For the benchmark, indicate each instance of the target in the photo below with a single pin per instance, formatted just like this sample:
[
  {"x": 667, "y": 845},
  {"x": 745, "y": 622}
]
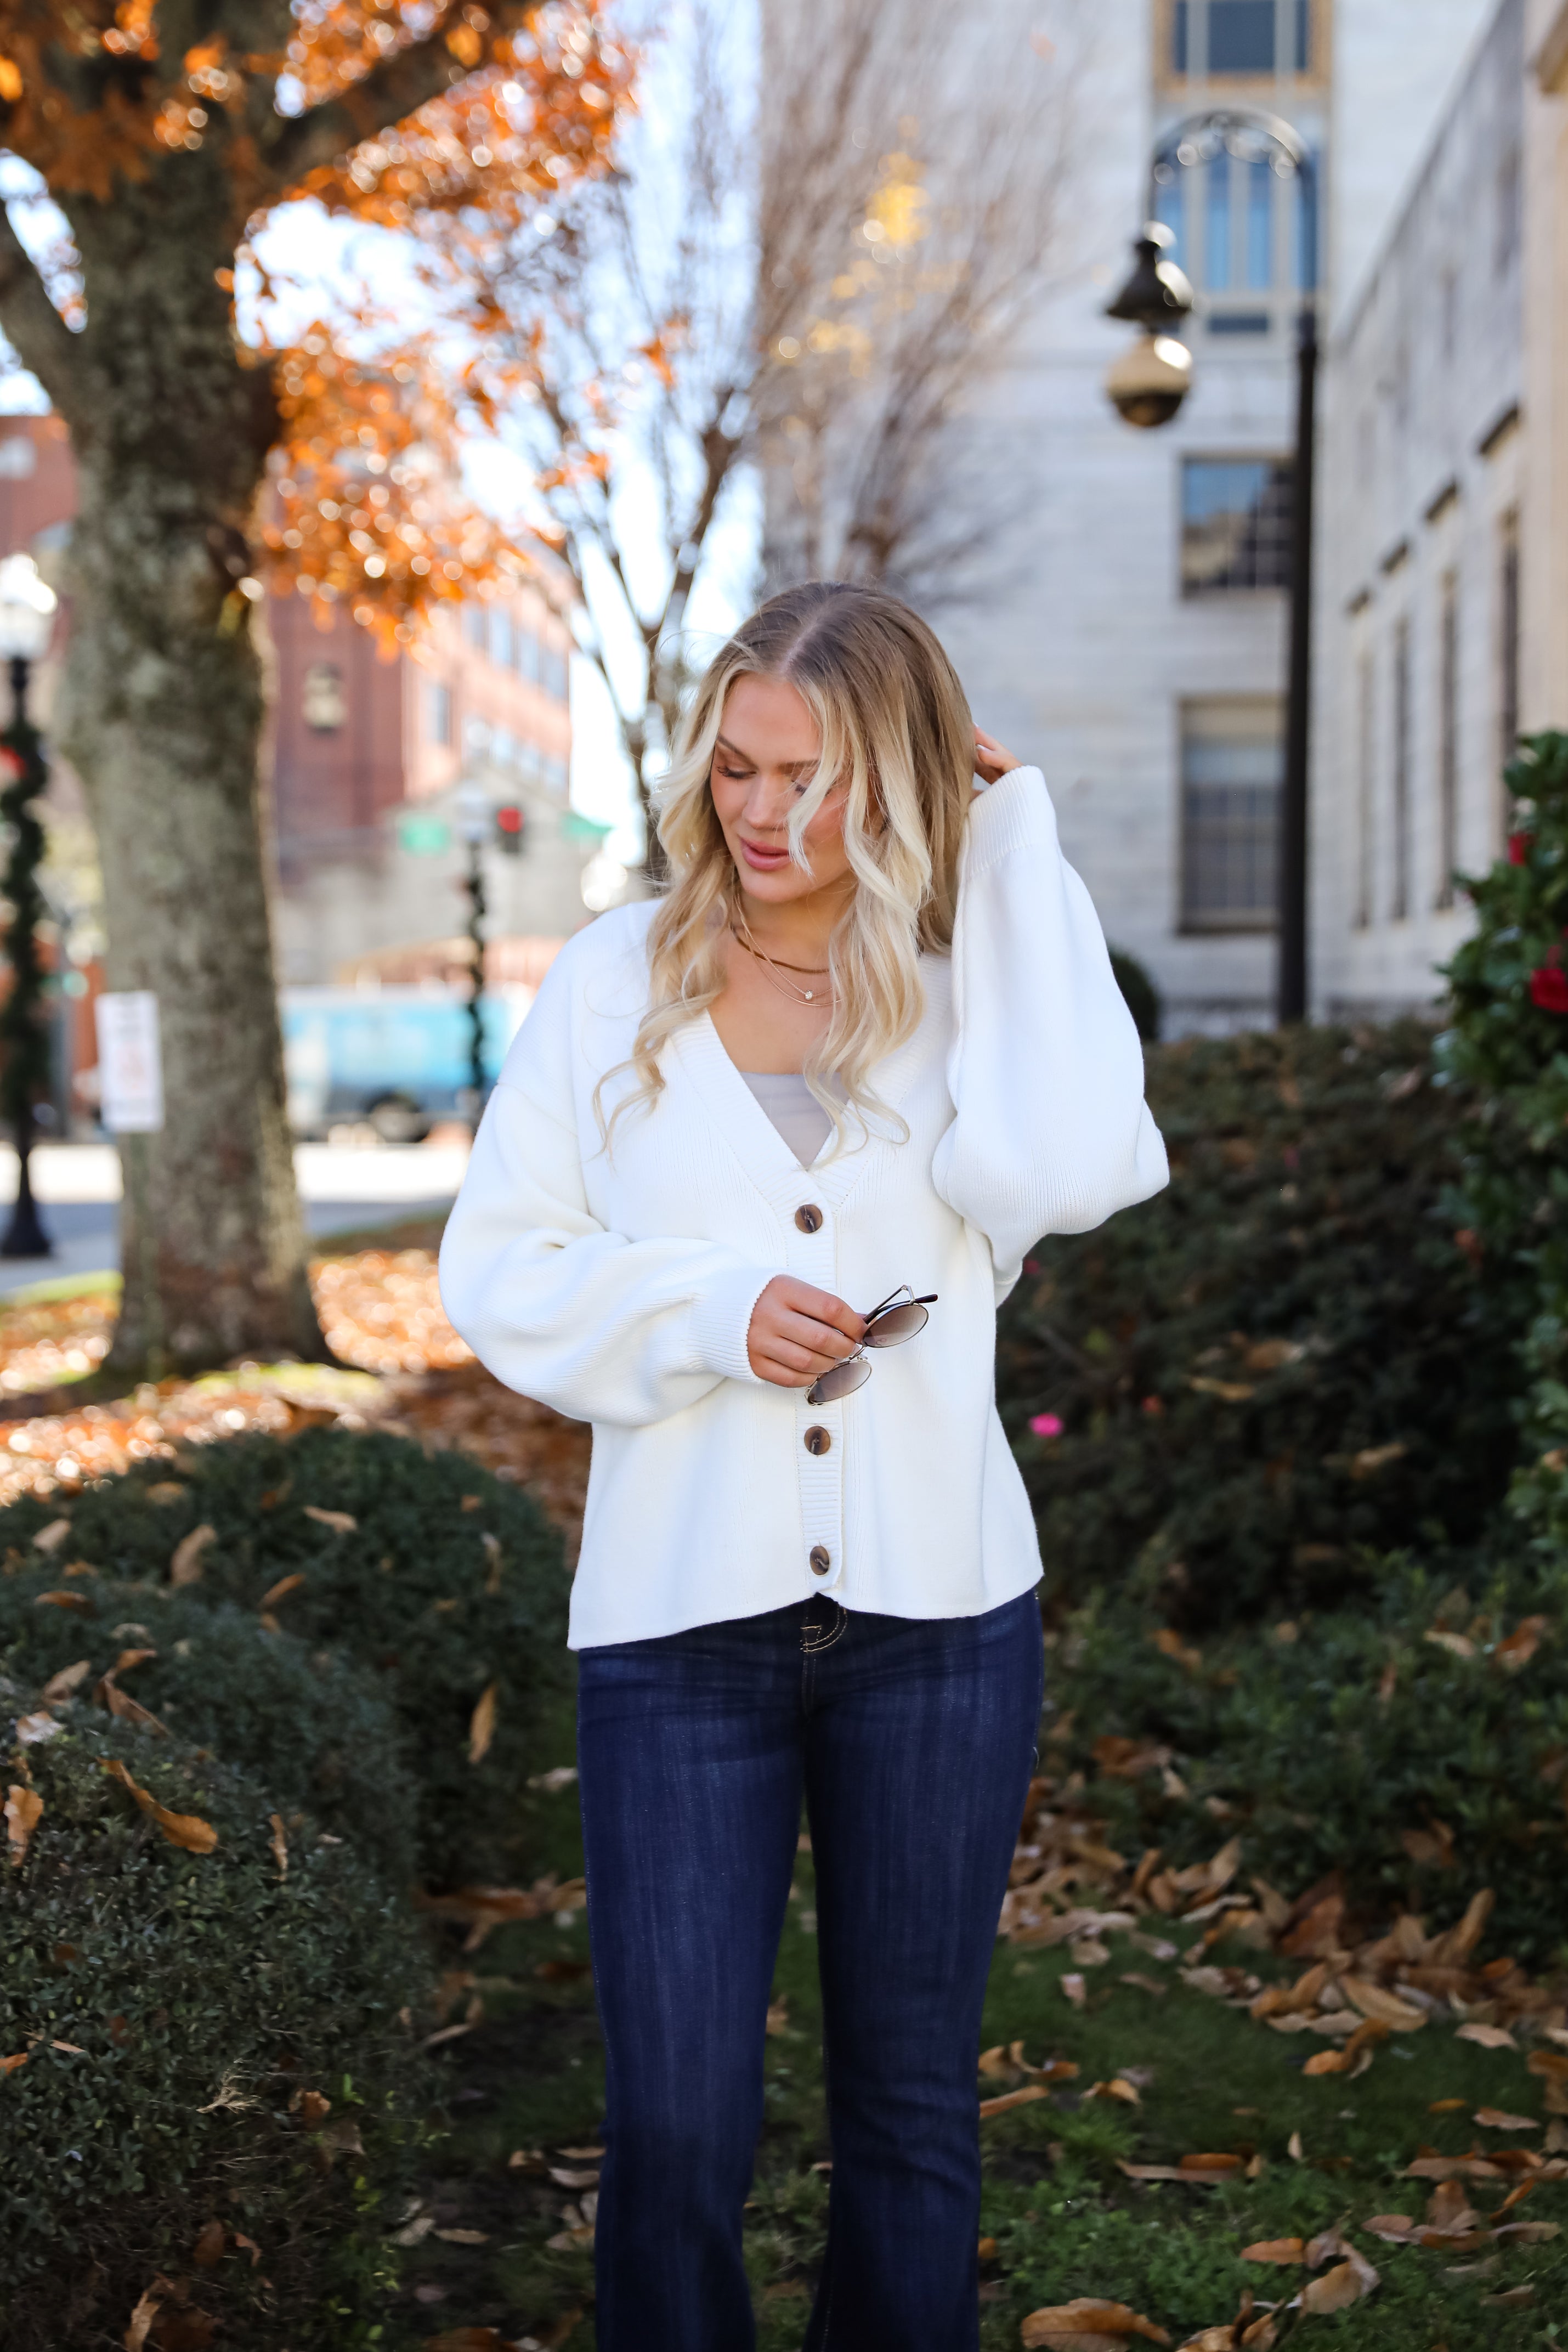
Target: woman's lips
[{"x": 766, "y": 861}]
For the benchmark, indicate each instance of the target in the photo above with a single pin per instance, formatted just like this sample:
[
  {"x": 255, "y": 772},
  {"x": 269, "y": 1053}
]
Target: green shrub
[
  {"x": 1141, "y": 995},
  {"x": 1420, "y": 1769},
  {"x": 1281, "y": 1367},
  {"x": 311, "y": 1728},
  {"x": 173, "y": 2009},
  {"x": 446, "y": 1585},
  {"x": 1509, "y": 1045}
]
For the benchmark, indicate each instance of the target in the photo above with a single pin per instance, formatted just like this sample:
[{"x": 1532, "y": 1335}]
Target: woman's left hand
[{"x": 992, "y": 760}]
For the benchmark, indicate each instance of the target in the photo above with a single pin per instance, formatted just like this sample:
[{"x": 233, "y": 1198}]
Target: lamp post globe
[
  {"x": 1148, "y": 384},
  {"x": 26, "y": 610}
]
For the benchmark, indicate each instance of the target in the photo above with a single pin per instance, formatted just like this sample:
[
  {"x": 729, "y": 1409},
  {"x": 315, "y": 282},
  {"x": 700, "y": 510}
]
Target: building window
[
  {"x": 1230, "y": 768},
  {"x": 439, "y": 710},
  {"x": 473, "y": 625},
  {"x": 1510, "y": 210},
  {"x": 527, "y": 655},
  {"x": 556, "y": 679},
  {"x": 1507, "y": 641},
  {"x": 1241, "y": 36},
  {"x": 1236, "y": 524},
  {"x": 1448, "y": 742},
  {"x": 322, "y": 702},
  {"x": 501, "y": 638},
  {"x": 1400, "y": 905},
  {"x": 1365, "y": 787}
]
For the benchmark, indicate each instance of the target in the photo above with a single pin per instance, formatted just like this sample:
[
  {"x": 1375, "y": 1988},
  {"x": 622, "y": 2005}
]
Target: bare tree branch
[{"x": 35, "y": 328}]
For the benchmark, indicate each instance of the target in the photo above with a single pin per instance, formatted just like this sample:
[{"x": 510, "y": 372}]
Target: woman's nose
[{"x": 768, "y": 805}]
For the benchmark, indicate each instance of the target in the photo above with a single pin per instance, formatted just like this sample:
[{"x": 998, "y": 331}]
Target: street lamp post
[
  {"x": 26, "y": 622},
  {"x": 475, "y": 818},
  {"x": 1148, "y": 386}
]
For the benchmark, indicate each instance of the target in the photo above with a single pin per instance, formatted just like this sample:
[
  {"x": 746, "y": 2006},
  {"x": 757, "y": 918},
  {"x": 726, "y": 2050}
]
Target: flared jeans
[{"x": 910, "y": 1742}]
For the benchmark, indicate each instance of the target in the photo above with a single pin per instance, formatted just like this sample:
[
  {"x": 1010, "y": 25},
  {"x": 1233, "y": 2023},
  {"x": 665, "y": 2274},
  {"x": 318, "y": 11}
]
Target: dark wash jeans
[{"x": 913, "y": 1743}]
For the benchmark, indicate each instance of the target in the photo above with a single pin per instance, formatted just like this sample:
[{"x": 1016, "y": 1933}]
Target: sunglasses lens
[
  {"x": 841, "y": 1382},
  {"x": 899, "y": 1323}
]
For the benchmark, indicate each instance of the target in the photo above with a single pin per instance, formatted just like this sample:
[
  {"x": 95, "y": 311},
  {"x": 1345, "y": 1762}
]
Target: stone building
[
  {"x": 1130, "y": 632},
  {"x": 1426, "y": 468}
]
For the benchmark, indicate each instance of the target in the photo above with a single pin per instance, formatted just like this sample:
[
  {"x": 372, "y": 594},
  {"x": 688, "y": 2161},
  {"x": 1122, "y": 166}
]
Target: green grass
[
  {"x": 60, "y": 1285},
  {"x": 1067, "y": 2222}
]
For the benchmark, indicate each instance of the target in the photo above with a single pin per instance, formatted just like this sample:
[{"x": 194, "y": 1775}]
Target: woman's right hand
[{"x": 798, "y": 1333}]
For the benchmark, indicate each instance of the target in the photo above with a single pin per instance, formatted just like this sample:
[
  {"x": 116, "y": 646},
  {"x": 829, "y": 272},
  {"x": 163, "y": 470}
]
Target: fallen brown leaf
[
  {"x": 186, "y": 1564},
  {"x": 18, "y": 2058},
  {"x": 209, "y": 2246},
  {"x": 280, "y": 1590},
  {"x": 1117, "y": 2088},
  {"x": 184, "y": 2330},
  {"x": 166, "y": 1490},
  {"x": 1075, "y": 1989},
  {"x": 1489, "y": 2037},
  {"x": 463, "y": 2237},
  {"x": 142, "y": 2319},
  {"x": 1068, "y": 2326},
  {"x": 22, "y": 1810},
  {"x": 186, "y": 1830},
  {"x": 51, "y": 1538},
  {"x": 1498, "y": 2119},
  {"x": 482, "y": 1726},
  {"x": 1283, "y": 2251},
  {"x": 69, "y": 1679},
  {"x": 1386, "y": 2007},
  {"x": 342, "y": 1523},
  {"x": 279, "y": 1841},
  {"x": 1522, "y": 1644},
  {"x": 312, "y": 2107},
  {"x": 1220, "y": 2161},
  {"x": 1024, "y": 2098},
  {"x": 126, "y": 1709},
  {"x": 62, "y": 1600},
  {"x": 1336, "y": 2290}
]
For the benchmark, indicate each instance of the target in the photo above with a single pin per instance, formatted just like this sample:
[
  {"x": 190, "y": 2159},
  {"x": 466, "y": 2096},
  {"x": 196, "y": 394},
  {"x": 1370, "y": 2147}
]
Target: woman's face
[{"x": 769, "y": 746}]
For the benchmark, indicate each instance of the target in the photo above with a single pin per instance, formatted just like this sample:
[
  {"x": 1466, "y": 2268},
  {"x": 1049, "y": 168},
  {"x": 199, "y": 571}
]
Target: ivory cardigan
[{"x": 619, "y": 1285}]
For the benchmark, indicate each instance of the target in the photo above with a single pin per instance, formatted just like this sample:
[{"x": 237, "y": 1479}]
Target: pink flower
[
  {"x": 1549, "y": 988},
  {"x": 1048, "y": 1425}
]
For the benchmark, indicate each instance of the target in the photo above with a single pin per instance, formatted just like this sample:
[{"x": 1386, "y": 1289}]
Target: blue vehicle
[{"x": 396, "y": 1056}]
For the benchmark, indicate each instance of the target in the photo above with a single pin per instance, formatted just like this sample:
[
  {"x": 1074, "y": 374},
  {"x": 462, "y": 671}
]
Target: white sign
[{"x": 130, "y": 1066}]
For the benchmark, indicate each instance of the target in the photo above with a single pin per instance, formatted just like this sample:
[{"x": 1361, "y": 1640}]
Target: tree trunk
[{"x": 161, "y": 714}]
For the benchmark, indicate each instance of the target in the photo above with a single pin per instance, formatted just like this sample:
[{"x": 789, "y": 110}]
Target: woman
[{"x": 865, "y": 1051}]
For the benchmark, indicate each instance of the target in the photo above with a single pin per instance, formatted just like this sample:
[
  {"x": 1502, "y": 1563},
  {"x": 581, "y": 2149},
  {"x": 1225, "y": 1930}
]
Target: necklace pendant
[{"x": 811, "y": 996}]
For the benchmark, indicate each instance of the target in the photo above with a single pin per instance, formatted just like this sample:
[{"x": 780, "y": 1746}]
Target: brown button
[
  {"x": 822, "y": 1559},
  {"x": 818, "y": 1439},
  {"x": 808, "y": 1218}
]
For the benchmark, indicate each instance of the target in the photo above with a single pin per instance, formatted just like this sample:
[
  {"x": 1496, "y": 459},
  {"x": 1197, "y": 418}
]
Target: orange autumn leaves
[{"x": 365, "y": 508}]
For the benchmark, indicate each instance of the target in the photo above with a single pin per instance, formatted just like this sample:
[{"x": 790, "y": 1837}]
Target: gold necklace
[{"x": 775, "y": 972}]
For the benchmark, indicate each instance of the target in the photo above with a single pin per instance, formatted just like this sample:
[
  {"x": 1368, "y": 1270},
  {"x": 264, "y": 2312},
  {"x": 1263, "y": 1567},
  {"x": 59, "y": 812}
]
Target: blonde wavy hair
[{"x": 896, "y": 734}]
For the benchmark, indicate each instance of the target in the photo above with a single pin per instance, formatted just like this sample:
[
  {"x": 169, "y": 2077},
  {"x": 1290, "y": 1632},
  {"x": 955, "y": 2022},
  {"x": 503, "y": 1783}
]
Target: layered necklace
[{"x": 774, "y": 970}]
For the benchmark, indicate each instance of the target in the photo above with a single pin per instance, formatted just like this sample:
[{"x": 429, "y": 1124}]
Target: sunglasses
[{"x": 898, "y": 1318}]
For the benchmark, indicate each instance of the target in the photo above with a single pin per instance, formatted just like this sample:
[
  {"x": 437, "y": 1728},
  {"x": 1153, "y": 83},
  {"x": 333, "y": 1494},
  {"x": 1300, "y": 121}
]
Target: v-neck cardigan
[{"x": 618, "y": 1284}]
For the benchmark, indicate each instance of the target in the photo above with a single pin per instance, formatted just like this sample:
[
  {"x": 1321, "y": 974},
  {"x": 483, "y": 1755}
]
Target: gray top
[{"x": 793, "y": 1109}]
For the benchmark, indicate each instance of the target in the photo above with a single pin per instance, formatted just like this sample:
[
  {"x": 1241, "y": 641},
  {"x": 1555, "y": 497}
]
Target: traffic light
[{"x": 509, "y": 825}]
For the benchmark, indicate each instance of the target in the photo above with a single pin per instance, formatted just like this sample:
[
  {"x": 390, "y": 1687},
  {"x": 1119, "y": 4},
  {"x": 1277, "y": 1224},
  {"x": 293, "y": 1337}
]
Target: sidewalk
[{"x": 77, "y": 1186}]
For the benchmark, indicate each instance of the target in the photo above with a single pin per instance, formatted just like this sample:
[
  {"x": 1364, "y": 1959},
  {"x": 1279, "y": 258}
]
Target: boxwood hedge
[
  {"x": 440, "y": 1582},
  {"x": 173, "y": 2025},
  {"x": 1415, "y": 1744},
  {"x": 314, "y": 1729},
  {"x": 1234, "y": 1399}
]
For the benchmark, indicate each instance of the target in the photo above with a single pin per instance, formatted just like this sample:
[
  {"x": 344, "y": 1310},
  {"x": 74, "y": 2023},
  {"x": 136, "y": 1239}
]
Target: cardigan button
[
  {"x": 818, "y": 1439},
  {"x": 808, "y": 1217},
  {"x": 822, "y": 1559}
]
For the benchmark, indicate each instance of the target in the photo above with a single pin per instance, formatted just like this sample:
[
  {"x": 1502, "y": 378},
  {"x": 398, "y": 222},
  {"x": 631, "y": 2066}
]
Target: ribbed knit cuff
[
  {"x": 721, "y": 1317},
  {"x": 1014, "y": 810}
]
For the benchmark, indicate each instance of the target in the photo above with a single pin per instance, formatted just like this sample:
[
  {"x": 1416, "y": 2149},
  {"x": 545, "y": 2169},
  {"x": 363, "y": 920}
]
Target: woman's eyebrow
[{"x": 790, "y": 767}]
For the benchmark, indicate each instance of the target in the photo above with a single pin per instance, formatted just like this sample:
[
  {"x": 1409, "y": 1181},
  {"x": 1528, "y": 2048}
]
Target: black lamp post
[
  {"x": 1148, "y": 387},
  {"x": 475, "y": 820},
  {"x": 26, "y": 622}
]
